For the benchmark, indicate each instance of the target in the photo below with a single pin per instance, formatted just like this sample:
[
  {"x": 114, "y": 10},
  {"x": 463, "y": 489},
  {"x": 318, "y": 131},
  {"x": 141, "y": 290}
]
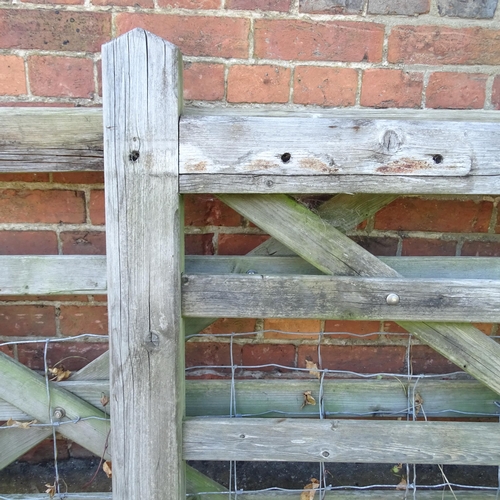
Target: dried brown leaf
[
  {"x": 104, "y": 399},
  {"x": 108, "y": 468},
  {"x": 59, "y": 373},
  {"x": 310, "y": 490},
  {"x": 402, "y": 484},
  {"x": 313, "y": 368},
  {"x": 418, "y": 402},
  {"x": 21, "y": 425},
  {"x": 308, "y": 399},
  {"x": 51, "y": 489}
]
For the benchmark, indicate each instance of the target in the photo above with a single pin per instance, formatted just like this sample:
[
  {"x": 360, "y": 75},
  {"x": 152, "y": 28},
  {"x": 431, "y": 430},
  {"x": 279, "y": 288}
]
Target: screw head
[
  {"x": 251, "y": 271},
  {"x": 59, "y": 413},
  {"x": 392, "y": 299}
]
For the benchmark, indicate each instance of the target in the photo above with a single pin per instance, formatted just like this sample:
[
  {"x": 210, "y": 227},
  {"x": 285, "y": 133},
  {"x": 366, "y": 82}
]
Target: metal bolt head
[
  {"x": 392, "y": 299},
  {"x": 59, "y": 413},
  {"x": 251, "y": 271}
]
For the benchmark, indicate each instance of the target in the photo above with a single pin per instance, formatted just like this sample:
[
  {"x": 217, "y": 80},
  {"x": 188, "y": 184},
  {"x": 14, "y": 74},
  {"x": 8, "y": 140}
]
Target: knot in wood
[{"x": 391, "y": 142}]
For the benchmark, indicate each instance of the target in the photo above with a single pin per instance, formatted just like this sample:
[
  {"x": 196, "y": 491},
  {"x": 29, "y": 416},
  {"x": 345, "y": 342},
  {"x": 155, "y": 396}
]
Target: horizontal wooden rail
[
  {"x": 63, "y": 274},
  {"x": 344, "y": 397},
  {"x": 361, "y": 441},
  {"x": 353, "y": 151},
  {"x": 349, "y": 298}
]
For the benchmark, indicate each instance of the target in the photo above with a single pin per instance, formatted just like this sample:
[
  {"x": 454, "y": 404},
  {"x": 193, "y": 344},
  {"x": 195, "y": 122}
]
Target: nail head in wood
[{"x": 392, "y": 299}]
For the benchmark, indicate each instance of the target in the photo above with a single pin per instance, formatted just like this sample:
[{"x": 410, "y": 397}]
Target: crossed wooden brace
[{"x": 294, "y": 228}]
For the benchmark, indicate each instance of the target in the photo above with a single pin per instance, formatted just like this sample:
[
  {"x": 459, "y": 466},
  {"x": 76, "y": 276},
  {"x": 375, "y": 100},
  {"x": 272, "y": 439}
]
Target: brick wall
[{"x": 240, "y": 53}]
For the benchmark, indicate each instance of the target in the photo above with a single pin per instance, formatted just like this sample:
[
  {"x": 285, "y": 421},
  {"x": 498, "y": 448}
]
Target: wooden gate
[{"x": 153, "y": 153}]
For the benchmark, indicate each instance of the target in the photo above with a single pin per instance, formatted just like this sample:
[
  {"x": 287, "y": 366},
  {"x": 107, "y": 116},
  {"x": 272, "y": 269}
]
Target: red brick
[
  {"x": 199, "y": 244},
  {"x": 398, "y": 8},
  {"x": 190, "y": 4},
  {"x": 444, "y": 45},
  {"x": 75, "y": 320},
  {"x": 426, "y": 246},
  {"x": 44, "y": 451},
  {"x": 356, "y": 327},
  {"x": 495, "y": 96},
  {"x": 486, "y": 328},
  {"x": 211, "y": 354},
  {"x": 42, "y": 206},
  {"x": 325, "y": 86},
  {"x": 207, "y": 210},
  {"x": 204, "y": 82},
  {"x": 83, "y": 242},
  {"x": 308, "y": 328},
  {"x": 145, "y": 4},
  {"x": 46, "y": 298},
  {"x": 260, "y": 84},
  {"x": 72, "y": 355},
  {"x": 26, "y": 177},
  {"x": 53, "y": 29},
  {"x": 391, "y": 88},
  {"x": 456, "y": 91},
  {"x": 390, "y": 327},
  {"x": 78, "y": 177},
  {"x": 24, "y": 320},
  {"x": 28, "y": 243},
  {"x": 377, "y": 245},
  {"x": 416, "y": 214},
  {"x": 195, "y": 36},
  {"x": 231, "y": 325},
  {"x": 12, "y": 75},
  {"x": 8, "y": 349},
  {"x": 265, "y": 354},
  {"x": 96, "y": 207},
  {"x": 356, "y": 358},
  {"x": 52, "y": 76},
  {"x": 77, "y": 451},
  {"x": 481, "y": 249},
  {"x": 332, "y": 7},
  {"x": 276, "y": 5},
  {"x": 425, "y": 360},
  {"x": 312, "y": 41},
  {"x": 239, "y": 244}
]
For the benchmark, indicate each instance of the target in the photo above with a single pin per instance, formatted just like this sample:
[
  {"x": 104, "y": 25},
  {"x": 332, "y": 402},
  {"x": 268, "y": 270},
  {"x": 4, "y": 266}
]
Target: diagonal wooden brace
[{"x": 323, "y": 246}]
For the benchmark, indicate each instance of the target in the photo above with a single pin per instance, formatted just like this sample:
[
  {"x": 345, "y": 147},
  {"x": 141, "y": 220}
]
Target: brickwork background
[{"x": 247, "y": 53}]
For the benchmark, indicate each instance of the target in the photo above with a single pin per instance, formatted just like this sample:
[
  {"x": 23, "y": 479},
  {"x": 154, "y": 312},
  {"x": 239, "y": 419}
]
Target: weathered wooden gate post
[{"x": 142, "y": 98}]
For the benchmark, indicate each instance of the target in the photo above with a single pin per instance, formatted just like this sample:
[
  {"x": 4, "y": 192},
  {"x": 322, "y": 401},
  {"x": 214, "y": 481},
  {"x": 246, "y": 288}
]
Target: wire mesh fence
[{"x": 314, "y": 402}]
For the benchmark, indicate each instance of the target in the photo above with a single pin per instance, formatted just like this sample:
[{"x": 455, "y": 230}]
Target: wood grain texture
[
  {"x": 324, "y": 297},
  {"x": 285, "y": 155},
  {"x": 361, "y": 441},
  {"x": 64, "y": 274},
  {"x": 379, "y": 398},
  {"x": 142, "y": 96},
  {"x": 14, "y": 443},
  {"x": 325, "y": 247},
  {"x": 50, "y": 139},
  {"x": 26, "y": 390}
]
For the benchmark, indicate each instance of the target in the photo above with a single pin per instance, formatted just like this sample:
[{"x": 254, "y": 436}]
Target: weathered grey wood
[
  {"x": 325, "y": 297},
  {"x": 238, "y": 145},
  {"x": 52, "y": 274},
  {"x": 321, "y": 245},
  {"x": 347, "y": 155},
  {"x": 26, "y": 390},
  {"x": 376, "y": 398},
  {"x": 16, "y": 442},
  {"x": 50, "y": 139},
  {"x": 60, "y": 274},
  {"x": 142, "y": 98},
  {"x": 325, "y": 184},
  {"x": 362, "y": 441}
]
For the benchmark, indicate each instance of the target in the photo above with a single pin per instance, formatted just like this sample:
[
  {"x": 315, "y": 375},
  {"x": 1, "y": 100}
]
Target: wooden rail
[
  {"x": 152, "y": 154},
  {"x": 338, "y": 151}
]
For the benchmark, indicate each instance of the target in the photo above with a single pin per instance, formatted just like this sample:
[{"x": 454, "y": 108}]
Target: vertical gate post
[{"x": 142, "y": 98}]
